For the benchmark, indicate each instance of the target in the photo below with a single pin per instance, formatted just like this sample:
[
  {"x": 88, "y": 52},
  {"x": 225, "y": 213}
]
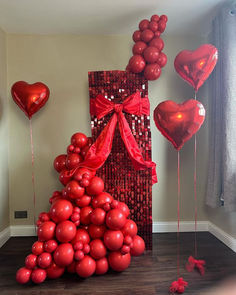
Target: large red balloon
[
  {"x": 61, "y": 210},
  {"x": 37, "y": 248},
  {"x": 96, "y": 231},
  {"x": 38, "y": 275},
  {"x": 73, "y": 160},
  {"x": 74, "y": 190},
  {"x": 54, "y": 271},
  {"x": 64, "y": 254},
  {"x": 115, "y": 219},
  {"x": 179, "y": 122},
  {"x": 158, "y": 43},
  {"x": 143, "y": 25},
  {"x": 98, "y": 216},
  {"x": 65, "y": 231},
  {"x": 124, "y": 208},
  {"x": 118, "y": 261},
  {"x": 46, "y": 231},
  {"x": 97, "y": 249},
  {"x": 30, "y": 97},
  {"x": 86, "y": 267},
  {"x": 23, "y": 275},
  {"x": 96, "y": 186},
  {"x": 136, "y": 63},
  {"x": 152, "y": 71},
  {"x": 138, "y": 246},
  {"x": 79, "y": 140},
  {"x": 113, "y": 239},
  {"x": 101, "y": 266},
  {"x": 196, "y": 66},
  {"x": 85, "y": 214},
  {"x": 60, "y": 163},
  {"x": 151, "y": 54},
  {"x": 44, "y": 260},
  {"x": 81, "y": 236},
  {"x": 147, "y": 35},
  {"x": 101, "y": 199},
  {"x": 130, "y": 228}
]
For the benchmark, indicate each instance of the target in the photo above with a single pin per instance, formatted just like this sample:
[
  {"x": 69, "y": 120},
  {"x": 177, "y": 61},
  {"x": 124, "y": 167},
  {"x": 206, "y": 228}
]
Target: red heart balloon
[
  {"x": 179, "y": 122},
  {"x": 196, "y": 66},
  {"x": 30, "y": 97}
]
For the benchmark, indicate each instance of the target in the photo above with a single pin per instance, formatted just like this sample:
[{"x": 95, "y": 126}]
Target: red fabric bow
[
  {"x": 194, "y": 263},
  {"x": 100, "y": 150},
  {"x": 178, "y": 286}
]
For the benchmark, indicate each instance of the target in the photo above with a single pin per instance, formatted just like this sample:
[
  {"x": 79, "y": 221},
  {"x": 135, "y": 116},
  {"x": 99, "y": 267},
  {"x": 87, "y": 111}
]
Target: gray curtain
[{"x": 221, "y": 186}]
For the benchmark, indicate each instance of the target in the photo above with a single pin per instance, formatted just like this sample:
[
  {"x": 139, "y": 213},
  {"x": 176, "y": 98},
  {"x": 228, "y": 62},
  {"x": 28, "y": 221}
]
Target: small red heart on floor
[
  {"x": 30, "y": 97},
  {"x": 179, "y": 122}
]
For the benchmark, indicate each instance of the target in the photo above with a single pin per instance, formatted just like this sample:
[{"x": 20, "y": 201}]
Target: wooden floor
[{"x": 149, "y": 274}]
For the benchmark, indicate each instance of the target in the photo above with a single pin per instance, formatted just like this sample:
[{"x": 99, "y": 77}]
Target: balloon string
[
  {"x": 195, "y": 188},
  {"x": 178, "y": 242},
  {"x": 33, "y": 182}
]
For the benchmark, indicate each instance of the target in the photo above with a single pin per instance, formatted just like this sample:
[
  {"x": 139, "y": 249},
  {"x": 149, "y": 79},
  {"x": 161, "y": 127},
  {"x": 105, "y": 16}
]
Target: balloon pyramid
[{"x": 85, "y": 231}]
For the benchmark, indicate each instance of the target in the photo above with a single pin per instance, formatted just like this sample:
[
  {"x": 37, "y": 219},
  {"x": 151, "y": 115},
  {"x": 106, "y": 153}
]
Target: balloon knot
[
  {"x": 178, "y": 286},
  {"x": 197, "y": 264}
]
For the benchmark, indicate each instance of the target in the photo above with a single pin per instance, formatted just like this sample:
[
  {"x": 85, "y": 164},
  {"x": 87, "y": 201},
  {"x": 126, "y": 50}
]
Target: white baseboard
[
  {"x": 158, "y": 227},
  {"x": 4, "y": 236}
]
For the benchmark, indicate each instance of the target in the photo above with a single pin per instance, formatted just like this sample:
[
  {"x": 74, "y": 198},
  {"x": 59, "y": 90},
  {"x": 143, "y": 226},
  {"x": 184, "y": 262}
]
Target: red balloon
[
  {"x": 61, "y": 210},
  {"x": 151, "y": 54},
  {"x": 54, "y": 271},
  {"x": 95, "y": 187},
  {"x": 179, "y": 122},
  {"x": 44, "y": 260},
  {"x": 98, "y": 216},
  {"x": 153, "y": 26},
  {"x": 81, "y": 236},
  {"x": 37, "y": 248},
  {"x": 164, "y": 18},
  {"x": 137, "y": 63},
  {"x": 79, "y": 140},
  {"x": 161, "y": 26},
  {"x": 85, "y": 215},
  {"x": 50, "y": 246},
  {"x": 115, "y": 219},
  {"x": 162, "y": 59},
  {"x": 31, "y": 261},
  {"x": 55, "y": 196},
  {"x": 137, "y": 36},
  {"x": 64, "y": 254},
  {"x": 96, "y": 231},
  {"x": 139, "y": 47},
  {"x": 84, "y": 201},
  {"x": 46, "y": 231},
  {"x": 118, "y": 261},
  {"x": 158, "y": 43},
  {"x": 60, "y": 163},
  {"x": 101, "y": 199},
  {"x": 73, "y": 160},
  {"x": 147, "y": 35},
  {"x": 38, "y": 275},
  {"x": 155, "y": 18},
  {"x": 86, "y": 267},
  {"x": 82, "y": 172},
  {"x": 79, "y": 255},
  {"x": 113, "y": 239},
  {"x": 130, "y": 228},
  {"x": 84, "y": 151},
  {"x": 138, "y": 246},
  {"x": 157, "y": 34},
  {"x": 196, "y": 66},
  {"x": 44, "y": 216},
  {"x": 97, "y": 249},
  {"x": 64, "y": 177},
  {"x": 124, "y": 208},
  {"x": 74, "y": 190},
  {"x": 30, "y": 97},
  {"x": 23, "y": 275},
  {"x": 143, "y": 25},
  {"x": 65, "y": 231},
  {"x": 152, "y": 71},
  {"x": 102, "y": 266}
]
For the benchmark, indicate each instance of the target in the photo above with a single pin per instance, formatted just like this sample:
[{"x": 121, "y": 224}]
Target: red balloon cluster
[
  {"x": 85, "y": 231},
  {"x": 148, "y": 57}
]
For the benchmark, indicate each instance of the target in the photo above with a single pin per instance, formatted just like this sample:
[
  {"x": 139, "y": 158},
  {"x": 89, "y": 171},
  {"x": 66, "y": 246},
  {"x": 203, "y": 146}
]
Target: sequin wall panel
[{"x": 121, "y": 179}]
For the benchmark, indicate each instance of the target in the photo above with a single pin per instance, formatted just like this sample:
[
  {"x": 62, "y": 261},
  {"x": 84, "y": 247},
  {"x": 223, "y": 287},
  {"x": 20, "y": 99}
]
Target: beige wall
[
  {"x": 4, "y": 200},
  {"x": 62, "y": 62}
]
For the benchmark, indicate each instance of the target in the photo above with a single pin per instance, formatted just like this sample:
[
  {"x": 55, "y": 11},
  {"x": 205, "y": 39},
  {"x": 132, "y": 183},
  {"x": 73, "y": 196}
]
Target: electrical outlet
[{"x": 20, "y": 214}]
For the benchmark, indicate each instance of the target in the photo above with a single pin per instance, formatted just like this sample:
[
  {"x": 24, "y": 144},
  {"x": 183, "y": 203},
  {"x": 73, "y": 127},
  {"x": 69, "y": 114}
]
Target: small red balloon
[
  {"x": 161, "y": 26},
  {"x": 65, "y": 231},
  {"x": 158, "y": 43},
  {"x": 85, "y": 215},
  {"x": 124, "y": 208},
  {"x": 46, "y": 231},
  {"x": 152, "y": 72},
  {"x": 101, "y": 199},
  {"x": 138, "y": 246},
  {"x": 82, "y": 172},
  {"x": 137, "y": 36},
  {"x": 74, "y": 190},
  {"x": 37, "y": 248},
  {"x": 54, "y": 271},
  {"x": 118, "y": 261},
  {"x": 102, "y": 266},
  {"x": 60, "y": 163},
  {"x": 155, "y": 18},
  {"x": 31, "y": 261},
  {"x": 139, "y": 47},
  {"x": 64, "y": 177},
  {"x": 38, "y": 275},
  {"x": 50, "y": 246},
  {"x": 63, "y": 255},
  {"x": 130, "y": 228},
  {"x": 147, "y": 35},
  {"x": 151, "y": 54},
  {"x": 86, "y": 267},
  {"x": 153, "y": 26},
  {"x": 61, "y": 210},
  {"x": 97, "y": 249},
  {"x": 81, "y": 236},
  {"x": 157, "y": 34},
  {"x": 162, "y": 59},
  {"x": 44, "y": 260},
  {"x": 113, "y": 239},
  {"x": 95, "y": 187},
  {"x": 84, "y": 201},
  {"x": 164, "y": 18},
  {"x": 96, "y": 231},
  {"x": 23, "y": 275},
  {"x": 115, "y": 219},
  {"x": 73, "y": 160},
  {"x": 137, "y": 63},
  {"x": 143, "y": 25},
  {"x": 79, "y": 140},
  {"x": 98, "y": 216}
]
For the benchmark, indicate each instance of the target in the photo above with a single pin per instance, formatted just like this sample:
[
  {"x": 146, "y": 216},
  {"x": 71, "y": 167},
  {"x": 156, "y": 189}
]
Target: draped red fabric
[{"x": 100, "y": 150}]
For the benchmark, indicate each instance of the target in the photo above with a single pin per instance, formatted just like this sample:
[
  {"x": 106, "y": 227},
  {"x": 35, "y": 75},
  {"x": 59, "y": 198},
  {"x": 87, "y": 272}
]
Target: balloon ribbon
[{"x": 32, "y": 161}]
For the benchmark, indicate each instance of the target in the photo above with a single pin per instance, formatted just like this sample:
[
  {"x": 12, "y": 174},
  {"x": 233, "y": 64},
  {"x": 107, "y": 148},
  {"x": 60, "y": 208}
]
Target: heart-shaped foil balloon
[
  {"x": 179, "y": 122},
  {"x": 30, "y": 97},
  {"x": 196, "y": 66}
]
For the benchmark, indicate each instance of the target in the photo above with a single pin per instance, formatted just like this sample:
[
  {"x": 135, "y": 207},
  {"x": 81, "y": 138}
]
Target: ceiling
[{"x": 104, "y": 16}]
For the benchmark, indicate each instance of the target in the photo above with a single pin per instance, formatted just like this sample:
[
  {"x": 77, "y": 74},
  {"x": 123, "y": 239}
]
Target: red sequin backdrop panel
[{"x": 121, "y": 180}]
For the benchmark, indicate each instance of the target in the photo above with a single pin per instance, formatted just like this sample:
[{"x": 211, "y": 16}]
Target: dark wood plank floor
[{"x": 149, "y": 274}]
